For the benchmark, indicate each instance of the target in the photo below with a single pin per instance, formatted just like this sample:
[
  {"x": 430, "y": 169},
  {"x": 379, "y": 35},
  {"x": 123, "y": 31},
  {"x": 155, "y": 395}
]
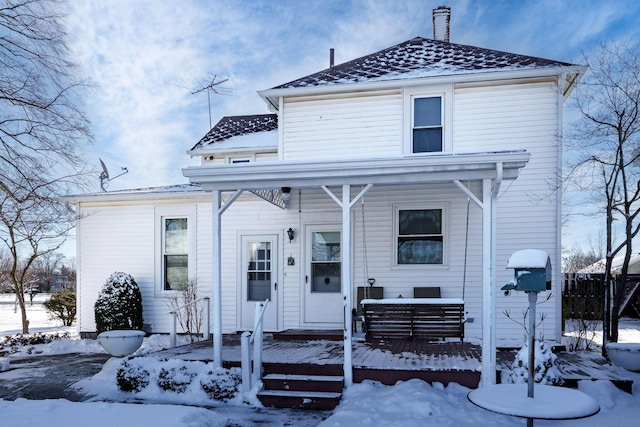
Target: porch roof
[{"x": 432, "y": 168}]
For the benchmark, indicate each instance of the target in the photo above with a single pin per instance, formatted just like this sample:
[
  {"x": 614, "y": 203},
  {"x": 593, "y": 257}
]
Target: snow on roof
[
  {"x": 230, "y": 127},
  {"x": 616, "y": 266},
  {"x": 528, "y": 258},
  {"x": 421, "y": 57},
  {"x": 165, "y": 191}
]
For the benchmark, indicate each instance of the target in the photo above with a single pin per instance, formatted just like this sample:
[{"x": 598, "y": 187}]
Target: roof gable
[
  {"x": 232, "y": 126},
  {"x": 420, "y": 57}
]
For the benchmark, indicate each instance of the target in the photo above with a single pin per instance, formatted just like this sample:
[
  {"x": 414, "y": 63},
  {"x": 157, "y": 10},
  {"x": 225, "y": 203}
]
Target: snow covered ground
[{"x": 409, "y": 403}]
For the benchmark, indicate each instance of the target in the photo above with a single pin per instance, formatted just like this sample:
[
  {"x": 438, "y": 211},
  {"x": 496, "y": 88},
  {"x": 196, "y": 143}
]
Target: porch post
[
  {"x": 346, "y": 282},
  {"x": 216, "y": 251},
  {"x": 488, "y": 285}
]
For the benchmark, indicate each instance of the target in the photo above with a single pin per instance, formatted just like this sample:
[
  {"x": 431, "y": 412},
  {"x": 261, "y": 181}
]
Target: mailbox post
[{"x": 532, "y": 274}]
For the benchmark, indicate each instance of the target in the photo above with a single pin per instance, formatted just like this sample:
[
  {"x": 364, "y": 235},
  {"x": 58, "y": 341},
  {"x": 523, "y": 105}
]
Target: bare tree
[
  {"x": 607, "y": 140},
  {"x": 41, "y": 126},
  {"x": 47, "y": 269}
]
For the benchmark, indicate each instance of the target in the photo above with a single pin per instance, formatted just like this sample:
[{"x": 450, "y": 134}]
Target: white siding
[
  {"x": 515, "y": 117},
  {"x": 357, "y": 126}
]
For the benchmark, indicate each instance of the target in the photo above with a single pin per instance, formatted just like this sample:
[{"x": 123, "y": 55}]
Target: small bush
[
  {"x": 545, "y": 371},
  {"x": 62, "y": 305},
  {"x": 221, "y": 384},
  {"x": 132, "y": 378},
  {"x": 119, "y": 304},
  {"x": 11, "y": 343},
  {"x": 175, "y": 379}
]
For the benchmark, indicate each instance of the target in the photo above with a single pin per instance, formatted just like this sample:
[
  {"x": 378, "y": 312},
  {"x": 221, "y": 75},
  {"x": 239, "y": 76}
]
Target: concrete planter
[
  {"x": 120, "y": 343},
  {"x": 626, "y": 355}
]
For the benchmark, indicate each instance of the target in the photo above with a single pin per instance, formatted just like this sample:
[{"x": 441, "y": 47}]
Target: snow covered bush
[
  {"x": 132, "y": 377},
  {"x": 545, "y": 371},
  {"x": 175, "y": 379},
  {"x": 11, "y": 343},
  {"x": 119, "y": 304},
  {"x": 221, "y": 384}
]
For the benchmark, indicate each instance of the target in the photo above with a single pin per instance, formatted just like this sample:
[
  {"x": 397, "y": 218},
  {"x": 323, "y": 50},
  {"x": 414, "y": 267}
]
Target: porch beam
[
  {"x": 488, "y": 296},
  {"x": 346, "y": 274},
  {"x": 346, "y": 282},
  {"x": 216, "y": 253},
  {"x": 469, "y": 193}
]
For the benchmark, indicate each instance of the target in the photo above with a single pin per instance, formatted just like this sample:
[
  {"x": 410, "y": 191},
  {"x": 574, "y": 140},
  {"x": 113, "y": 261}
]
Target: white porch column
[
  {"x": 488, "y": 285},
  {"x": 347, "y": 271},
  {"x": 346, "y": 282},
  {"x": 216, "y": 251},
  {"x": 216, "y": 263}
]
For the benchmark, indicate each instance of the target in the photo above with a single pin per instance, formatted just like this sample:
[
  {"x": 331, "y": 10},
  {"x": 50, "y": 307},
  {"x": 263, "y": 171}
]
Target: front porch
[{"x": 389, "y": 361}]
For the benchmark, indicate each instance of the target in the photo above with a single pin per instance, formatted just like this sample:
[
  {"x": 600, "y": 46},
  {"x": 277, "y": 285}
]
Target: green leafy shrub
[
  {"x": 62, "y": 305},
  {"x": 119, "y": 304},
  {"x": 132, "y": 378},
  {"x": 221, "y": 384}
]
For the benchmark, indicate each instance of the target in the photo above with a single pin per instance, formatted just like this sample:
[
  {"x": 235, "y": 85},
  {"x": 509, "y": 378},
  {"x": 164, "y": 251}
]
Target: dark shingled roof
[
  {"x": 230, "y": 126},
  {"x": 420, "y": 57}
]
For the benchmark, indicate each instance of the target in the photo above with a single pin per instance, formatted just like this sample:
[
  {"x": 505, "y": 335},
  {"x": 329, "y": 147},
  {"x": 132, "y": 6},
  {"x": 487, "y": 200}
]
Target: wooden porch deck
[{"x": 389, "y": 361}]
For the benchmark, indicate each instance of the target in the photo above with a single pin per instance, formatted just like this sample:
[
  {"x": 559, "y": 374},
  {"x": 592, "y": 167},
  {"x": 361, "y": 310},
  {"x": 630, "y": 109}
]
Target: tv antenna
[
  {"x": 104, "y": 175},
  {"x": 211, "y": 87}
]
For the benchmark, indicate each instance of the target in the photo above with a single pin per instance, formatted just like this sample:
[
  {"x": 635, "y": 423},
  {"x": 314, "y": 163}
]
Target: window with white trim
[
  {"x": 175, "y": 261},
  {"x": 420, "y": 236},
  {"x": 427, "y": 125},
  {"x": 175, "y": 253}
]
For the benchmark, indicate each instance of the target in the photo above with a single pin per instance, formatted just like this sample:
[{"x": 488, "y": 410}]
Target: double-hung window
[
  {"x": 420, "y": 236},
  {"x": 427, "y": 132},
  {"x": 175, "y": 257}
]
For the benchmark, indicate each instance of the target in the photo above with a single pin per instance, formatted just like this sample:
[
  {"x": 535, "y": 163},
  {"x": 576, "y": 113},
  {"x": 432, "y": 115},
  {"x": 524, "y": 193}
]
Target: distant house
[
  {"x": 425, "y": 164},
  {"x": 598, "y": 267}
]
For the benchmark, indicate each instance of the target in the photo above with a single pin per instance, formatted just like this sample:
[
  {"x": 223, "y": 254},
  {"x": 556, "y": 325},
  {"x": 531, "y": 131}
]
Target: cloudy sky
[{"x": 147, "y": 57}]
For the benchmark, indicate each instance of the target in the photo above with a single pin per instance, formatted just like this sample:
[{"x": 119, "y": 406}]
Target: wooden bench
[{"x": 429, "y": 318}]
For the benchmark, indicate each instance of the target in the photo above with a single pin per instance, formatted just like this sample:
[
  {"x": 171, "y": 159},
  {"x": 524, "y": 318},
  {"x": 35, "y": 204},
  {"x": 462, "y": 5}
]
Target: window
[
  {"x": 259, "y": 271},
  {"x": 175, "y": 250},
  {"x": 427, "y": 136},
  {"x": 420, "y": 236},
  {"x": 325, "y": 262}
]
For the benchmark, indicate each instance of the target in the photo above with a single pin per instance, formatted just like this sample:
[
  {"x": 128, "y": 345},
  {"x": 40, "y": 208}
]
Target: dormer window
[{"x": 427, "y": 134}]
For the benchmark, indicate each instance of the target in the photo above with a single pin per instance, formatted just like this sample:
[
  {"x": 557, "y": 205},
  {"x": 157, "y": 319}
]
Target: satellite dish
[{"x": 104, "y": 175}]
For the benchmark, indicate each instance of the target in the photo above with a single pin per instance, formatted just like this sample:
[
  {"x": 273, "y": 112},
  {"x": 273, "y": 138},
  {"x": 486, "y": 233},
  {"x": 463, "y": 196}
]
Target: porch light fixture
[
  {"x": 290, "y": 234},
  {"x": 286, "y": 194}
]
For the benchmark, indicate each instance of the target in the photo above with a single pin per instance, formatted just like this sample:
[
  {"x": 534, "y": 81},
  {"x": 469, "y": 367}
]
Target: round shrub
[
  {"x": 119, "y": 304},
  {"x": 132, "y": 378},
  {"x": 221, "y": 384},
  {"x": 175, "y": 379}
]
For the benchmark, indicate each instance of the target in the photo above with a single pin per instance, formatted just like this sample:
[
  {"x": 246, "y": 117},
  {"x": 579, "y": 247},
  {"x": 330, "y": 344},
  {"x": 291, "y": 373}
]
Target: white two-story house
[{"x": 424, "y": 164}]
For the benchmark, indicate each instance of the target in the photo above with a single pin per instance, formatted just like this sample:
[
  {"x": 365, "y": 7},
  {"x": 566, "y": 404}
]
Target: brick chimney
[{"x": 441, "y": 23}]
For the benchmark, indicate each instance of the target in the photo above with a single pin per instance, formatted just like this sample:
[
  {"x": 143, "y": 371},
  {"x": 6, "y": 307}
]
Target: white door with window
[
  {"x": 259, "y": 280},
  {"x": 323, "y": 302}
]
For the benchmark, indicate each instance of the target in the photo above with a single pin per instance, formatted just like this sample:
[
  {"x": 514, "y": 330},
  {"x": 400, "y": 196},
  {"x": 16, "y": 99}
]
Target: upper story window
[
  {"x": 427, "y": 132},
  {"x": 420, "y": 236}
]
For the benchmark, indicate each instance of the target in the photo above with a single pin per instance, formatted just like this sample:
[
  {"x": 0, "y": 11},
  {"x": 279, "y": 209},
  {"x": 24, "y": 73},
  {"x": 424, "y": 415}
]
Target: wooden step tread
[
  {"x": 299, "y": 377},
  {"x": 303, "y": 394}
]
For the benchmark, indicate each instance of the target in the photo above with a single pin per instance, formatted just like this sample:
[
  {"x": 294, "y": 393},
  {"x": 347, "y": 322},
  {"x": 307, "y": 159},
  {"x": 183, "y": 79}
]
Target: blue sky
[{"x": 145, "y": 57}]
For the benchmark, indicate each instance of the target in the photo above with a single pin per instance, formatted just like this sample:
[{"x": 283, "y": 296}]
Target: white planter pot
[
  {"x": 120, "y": 343},
  {"x": 626, "y": 355}
]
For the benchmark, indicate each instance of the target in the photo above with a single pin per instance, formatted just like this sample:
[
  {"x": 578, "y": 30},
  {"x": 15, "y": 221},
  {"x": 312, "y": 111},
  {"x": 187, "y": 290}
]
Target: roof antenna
[
  {"x": 104, "y": 175},
  {"x": 209, "y": 88}
]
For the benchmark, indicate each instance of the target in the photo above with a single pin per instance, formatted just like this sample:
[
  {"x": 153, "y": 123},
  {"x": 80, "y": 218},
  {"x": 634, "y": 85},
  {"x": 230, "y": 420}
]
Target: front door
[
  {"x": 323, "y": 277},
  {"x": 259, "y": 280}
]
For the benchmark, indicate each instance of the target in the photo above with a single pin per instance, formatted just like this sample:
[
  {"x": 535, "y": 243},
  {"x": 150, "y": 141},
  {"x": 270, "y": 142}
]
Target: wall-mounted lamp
[
  {"x": 286, "y": 194},
  {"x": 290, "y": 234}
]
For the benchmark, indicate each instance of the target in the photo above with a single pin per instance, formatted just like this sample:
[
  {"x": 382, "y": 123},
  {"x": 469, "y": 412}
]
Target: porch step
[
  {"x": 315, "y": 400},
  {"x": 322, "y": 383},
  {"x": 302, "y": 385},
  {"x": 309, "y": 334}
]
